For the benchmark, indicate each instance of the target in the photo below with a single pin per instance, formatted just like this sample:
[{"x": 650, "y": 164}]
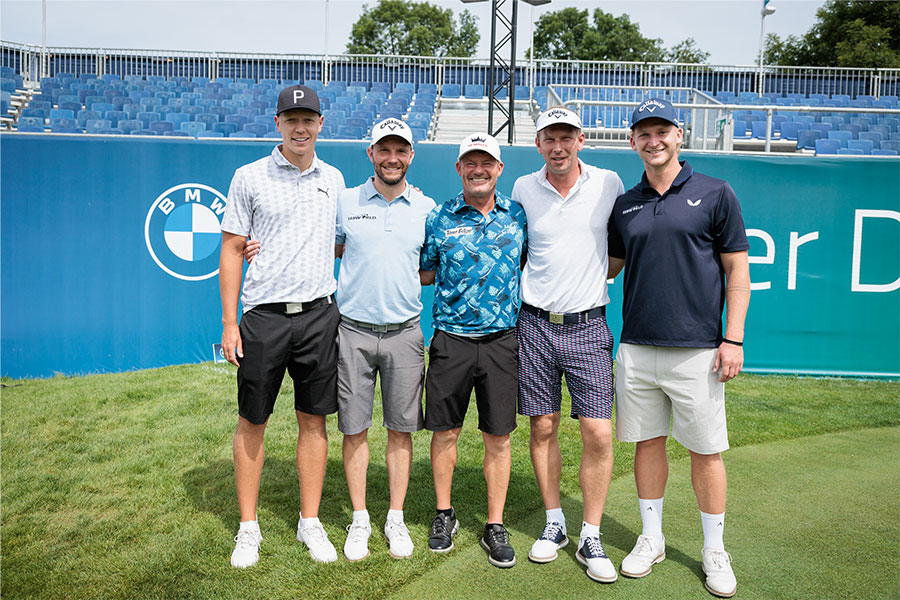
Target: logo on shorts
[{"x": 183, "y": 231}]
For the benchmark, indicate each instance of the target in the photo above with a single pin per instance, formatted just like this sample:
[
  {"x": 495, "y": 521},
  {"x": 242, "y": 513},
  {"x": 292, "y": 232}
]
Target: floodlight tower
[
  {"x": 765, "y": 12},
  {"x": 507, "y": 68}
]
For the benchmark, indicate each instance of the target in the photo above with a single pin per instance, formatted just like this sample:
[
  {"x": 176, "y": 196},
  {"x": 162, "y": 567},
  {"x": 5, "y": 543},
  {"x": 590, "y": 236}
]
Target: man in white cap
[
  {"x": 379, "y": 236},
  {"x": 289, "y": 319},
  {"x": 562, "y": 329},
  {"x": 474, "y": 245}
]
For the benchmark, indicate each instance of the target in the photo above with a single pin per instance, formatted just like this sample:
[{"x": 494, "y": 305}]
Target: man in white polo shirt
[
  {"x": 379, "y": 236},
  {"x": 562, "y": 329},
  {"x": 288, "y": 200}
]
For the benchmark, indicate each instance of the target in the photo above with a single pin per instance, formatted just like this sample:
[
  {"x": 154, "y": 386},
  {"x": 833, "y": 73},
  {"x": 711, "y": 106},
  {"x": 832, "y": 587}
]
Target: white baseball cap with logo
[
  {"x": 558, "y": 116},
  {"x": 391, "y": 126},
  {"x": 479, "y": 141}
]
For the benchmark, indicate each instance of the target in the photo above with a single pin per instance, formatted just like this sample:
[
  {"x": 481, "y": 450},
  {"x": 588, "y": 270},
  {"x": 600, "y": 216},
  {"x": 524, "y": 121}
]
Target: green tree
[
  {"x": 403, "y": 27},
  {"x": 846, "y": 34},
  {"x": 567, "y": 34}
]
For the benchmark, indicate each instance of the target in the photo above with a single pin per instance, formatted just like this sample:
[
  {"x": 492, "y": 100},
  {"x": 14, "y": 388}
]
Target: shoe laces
[
  {"x": 551, "y": 530},
  {"x": 316, "y": 534},
  {"x": 500, "y": 535},
  {"x": 247, "y": 539},
  {"x": 357, "y": 532},
  {"x": 398, "y": 527},
  {"x": 439, "y": 526},
  {"x": 719, "y": 558},
  {"x": 594, "y": 545},
  {"x": 643, "y": 545}
]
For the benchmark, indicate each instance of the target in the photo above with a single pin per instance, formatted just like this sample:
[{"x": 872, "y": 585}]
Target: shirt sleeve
[
  {"x": 428, "y": 260},
  {"x": 615, "y": 244},
  {"x": 238, "y": 210},
  {"x": 729, "y": 233},
  {"x": 339, "y": 235}
]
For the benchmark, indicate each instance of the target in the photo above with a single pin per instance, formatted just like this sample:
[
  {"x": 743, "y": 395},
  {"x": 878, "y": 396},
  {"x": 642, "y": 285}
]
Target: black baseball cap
[{"x": 298, "y": 96}]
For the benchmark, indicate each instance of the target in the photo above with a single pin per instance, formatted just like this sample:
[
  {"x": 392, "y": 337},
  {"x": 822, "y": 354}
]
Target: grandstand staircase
[{"x": 454, "y": 121}]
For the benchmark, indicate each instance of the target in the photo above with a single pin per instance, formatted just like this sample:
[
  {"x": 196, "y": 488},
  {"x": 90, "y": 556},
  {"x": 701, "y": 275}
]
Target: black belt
[
  {"x": 381, "y": 328},
  {"x": 480, "y": 339},
  {"x": 566, "y": 318},
  {"x": 294, "y": 308}
]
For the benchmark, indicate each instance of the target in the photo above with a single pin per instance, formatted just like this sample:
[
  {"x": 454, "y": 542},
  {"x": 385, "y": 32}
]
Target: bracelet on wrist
[{"x": 732, "y": 342}]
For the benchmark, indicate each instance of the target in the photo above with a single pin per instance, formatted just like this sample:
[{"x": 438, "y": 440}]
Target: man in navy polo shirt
[
  {"x": 474, "y": 246},
  {"x": 680, "y": 237}
]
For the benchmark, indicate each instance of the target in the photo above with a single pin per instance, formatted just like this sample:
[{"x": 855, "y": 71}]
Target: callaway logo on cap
[
  {"x": 391, "y": 126},
  {"x": 558, "y": 116},
  {"x": 655, "y": 108},
  {"x": 298, "y": 96}
]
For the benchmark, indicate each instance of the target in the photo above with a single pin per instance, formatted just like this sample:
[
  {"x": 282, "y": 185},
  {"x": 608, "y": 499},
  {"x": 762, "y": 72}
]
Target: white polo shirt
[
  {"x": 567, "y": 258},
  {"x": 292, "y": 213},
  {"x": 379, "y": 278}
]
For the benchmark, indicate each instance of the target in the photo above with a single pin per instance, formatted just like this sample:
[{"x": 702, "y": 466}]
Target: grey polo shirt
[{"x": 292, "y": 213}]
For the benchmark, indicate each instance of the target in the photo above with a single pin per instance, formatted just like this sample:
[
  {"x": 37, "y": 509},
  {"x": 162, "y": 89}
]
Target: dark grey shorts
[{"x": 399, "y": 358}]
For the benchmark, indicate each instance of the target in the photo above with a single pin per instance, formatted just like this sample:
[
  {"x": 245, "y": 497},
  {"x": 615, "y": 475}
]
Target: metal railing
[{"x": 26, "y": 60}]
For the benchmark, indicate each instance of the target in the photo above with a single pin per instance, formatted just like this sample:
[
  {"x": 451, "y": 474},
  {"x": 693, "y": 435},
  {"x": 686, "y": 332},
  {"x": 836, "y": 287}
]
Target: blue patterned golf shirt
[{"x": 477, "y": 261}]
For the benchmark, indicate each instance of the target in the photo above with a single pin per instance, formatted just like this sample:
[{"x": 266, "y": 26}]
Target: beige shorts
[{"x": 656, "y": 386}]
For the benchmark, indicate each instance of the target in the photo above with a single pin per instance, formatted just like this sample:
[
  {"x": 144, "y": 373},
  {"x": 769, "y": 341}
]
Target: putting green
[{"x": 814, "y": 517}]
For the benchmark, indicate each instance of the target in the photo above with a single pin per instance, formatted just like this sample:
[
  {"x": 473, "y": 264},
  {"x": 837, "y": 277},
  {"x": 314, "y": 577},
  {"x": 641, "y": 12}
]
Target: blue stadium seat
[
  {"x": 758, "y": 130},
  {"x": 381, "y": 86},
  {"x": 427, "y": 88},
  {"x": 243, "y": 134},
  {"x": 740, "y": 129},
  {"x": 842, "y": 136},
  {"x": 177, "y": 118},
  {"x": 450, "y": 90},
  {"x": 327, "y": 133},
  {"x": 405, "y": 86},
  {"x": 96, "y": 125},
  {"x": 826, "y": 146},
  {"x": 143, "y": 132},
  {"x": 875, "y": 136},
  {"x": 239, "y": 120},
  {"x": 850, "y": 151},
  {"x": 350, "y": 133},
  {"x": 474, "y": 90},
  {"x": 890, "y": 145},
  {"x": 82, "y": 116},
  {"x": 334, "y": 117},
  {"x": 161, "y": 127},
  {"x": 419, "y": 133},
  {"x": 806, "y": 139},
  {"x": 272, "y": 134},
  {"x": 883, "y": 152},
  {"x": 210, "y": 134},
  {"x": 148, "y": 117},
  {"x": 114, "y": 116},
  {"x": 865, "y": 145},
  {"x": 129, "y": 125},
  {"x": 31, "y": 124},
  {"x": 853, "y": 128},
  {"x": 225, "y": 128},
  {"x": 357, "y": 122},
  {"x": 257, "y": 129}
]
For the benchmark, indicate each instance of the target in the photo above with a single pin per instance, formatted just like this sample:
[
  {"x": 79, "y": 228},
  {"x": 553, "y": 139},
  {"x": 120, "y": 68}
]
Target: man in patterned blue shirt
[{"x": 474, "y": 247}]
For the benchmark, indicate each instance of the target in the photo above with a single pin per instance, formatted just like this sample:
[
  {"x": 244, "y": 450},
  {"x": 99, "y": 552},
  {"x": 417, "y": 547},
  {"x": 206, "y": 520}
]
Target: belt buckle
[
  {"x": 557, "y": 318},
  {"x": 380, "y": 328},
  {"x": 293, "y": 308}
]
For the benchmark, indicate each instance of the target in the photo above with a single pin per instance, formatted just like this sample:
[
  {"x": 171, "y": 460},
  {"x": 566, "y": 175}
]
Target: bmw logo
[{"x": 183, "y": 231}]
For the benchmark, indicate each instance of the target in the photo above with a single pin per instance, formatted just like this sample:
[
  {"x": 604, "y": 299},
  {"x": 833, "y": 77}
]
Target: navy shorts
[
  {"x": 304, "y": 344},
  {"x": 580, "y": 351}
]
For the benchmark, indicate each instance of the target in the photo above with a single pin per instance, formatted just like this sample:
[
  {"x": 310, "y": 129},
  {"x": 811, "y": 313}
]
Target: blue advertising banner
[{"x": 110, "y": 249}]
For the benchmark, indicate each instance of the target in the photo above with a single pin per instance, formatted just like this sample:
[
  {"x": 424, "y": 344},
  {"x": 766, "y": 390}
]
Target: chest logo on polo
[
  {"x": 325, "y": 191},
  {"x": 632, "y": 209},
  {"x": 694, "y": 202},
  {"x": 457, "y": 231},
  {"x": 183, "y": 231},
  {"x": 362, "y": 217}
]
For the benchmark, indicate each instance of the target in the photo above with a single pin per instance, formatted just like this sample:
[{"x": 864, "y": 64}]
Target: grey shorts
[
  {"x": 399, "y": 358},
  {"x": 656, "y": 386}
]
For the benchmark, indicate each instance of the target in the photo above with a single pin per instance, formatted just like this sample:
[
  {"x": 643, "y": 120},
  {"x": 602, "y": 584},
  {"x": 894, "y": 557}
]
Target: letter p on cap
[{"x": 298, "y": 95}]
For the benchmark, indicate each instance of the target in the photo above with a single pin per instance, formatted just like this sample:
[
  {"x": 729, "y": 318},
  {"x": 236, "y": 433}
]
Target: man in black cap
[
  {"x": 681, "y": 239},
  {"x": 288, "y": 200}
]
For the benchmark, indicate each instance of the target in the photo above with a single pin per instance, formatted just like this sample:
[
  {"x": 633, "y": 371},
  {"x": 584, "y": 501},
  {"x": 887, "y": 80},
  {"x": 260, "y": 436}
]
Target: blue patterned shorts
[{"x": 580, "y": 351}]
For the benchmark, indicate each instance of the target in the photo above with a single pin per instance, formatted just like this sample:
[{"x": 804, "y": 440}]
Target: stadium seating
[{"x": 824, "y": 146}]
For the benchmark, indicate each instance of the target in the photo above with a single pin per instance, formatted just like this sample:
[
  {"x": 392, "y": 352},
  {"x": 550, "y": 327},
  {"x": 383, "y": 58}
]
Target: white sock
[
  {"x": 361, "y": 516},
  {"x": 651, "y": 517},
  {"x": 713, "y": 530},
  {"x": 310, "y": 522},
  {"x": 249, "y": 526},
  {"x": 395, "y": 515},
  {"x": 588, "y": 530},
  {"x": 555, "y": 515}
]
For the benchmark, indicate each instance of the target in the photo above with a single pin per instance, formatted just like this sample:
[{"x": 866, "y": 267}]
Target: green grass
[{"x": 121, "y": 486}]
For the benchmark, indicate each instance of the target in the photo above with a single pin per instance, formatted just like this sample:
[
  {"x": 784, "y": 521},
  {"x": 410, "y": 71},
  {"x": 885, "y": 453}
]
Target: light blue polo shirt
[{"x": 379, "y": 276}]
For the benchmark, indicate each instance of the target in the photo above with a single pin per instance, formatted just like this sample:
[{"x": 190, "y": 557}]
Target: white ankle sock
[
  {"x": 588, "y": 530},
  {"x": 361, "y": 515},
  {"x": 555, "y": 515},
  {"x": 310, "y": 522},
  {"x": 249, "y": 526},
  {"x": 713, "y": 530},
  {"x": 651, "y": 516},
  {"x": 395, "y": 515}
]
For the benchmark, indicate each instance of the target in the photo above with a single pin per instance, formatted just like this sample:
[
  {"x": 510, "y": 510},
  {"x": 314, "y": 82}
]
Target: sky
[{"x": 727, "y": 29}]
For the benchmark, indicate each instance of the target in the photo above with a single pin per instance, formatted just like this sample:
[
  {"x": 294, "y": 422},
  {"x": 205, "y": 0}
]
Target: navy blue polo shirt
[{"x": 674, "y": 281}]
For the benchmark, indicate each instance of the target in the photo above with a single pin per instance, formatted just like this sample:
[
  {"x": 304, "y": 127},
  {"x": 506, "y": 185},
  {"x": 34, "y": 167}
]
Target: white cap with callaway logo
[
  {"x": 391, "y": 126},
  {"x": 479, "y": 141},
  {"x": 558, "y": 116}
]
